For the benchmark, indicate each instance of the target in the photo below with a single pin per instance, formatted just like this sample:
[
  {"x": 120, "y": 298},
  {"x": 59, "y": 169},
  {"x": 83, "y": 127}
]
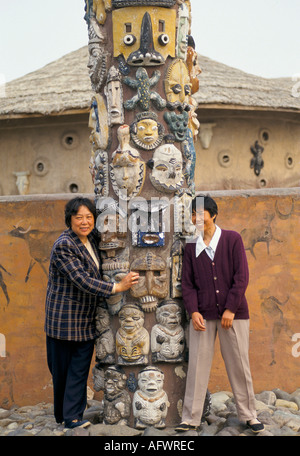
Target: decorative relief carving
[
  {"x": 167, "y": 336},
  {"x": 166, "y": 164},
  {"x": 182, "y": 31},
  {"x": 178, "y": 124},
  {"x": 152, "y": 285},
  {"x": 177, "y": 85},
  {"x": 114, "y": 96},
  {"x": 132, "y": 339},
  {"x": 183, "y": 224},
  {"x": 176, "y": 266},
  {"x": 105, "y": 341},
  {"x": 127, "y": 170},
  {"x": 97, "y": 63},
  {"x": 116, "y": 402},
  {"x": 99, "y": 130},
  {"x": 145, "y": 36},
  {"x": 146, "y": 132},
  {"x": 150, "y": 402},
  {"x": 143, "y": 84},
  {"x": 189, "y": 154},
  {"x": 257, "y": 162},
  {"x": 114, "y": 269}
]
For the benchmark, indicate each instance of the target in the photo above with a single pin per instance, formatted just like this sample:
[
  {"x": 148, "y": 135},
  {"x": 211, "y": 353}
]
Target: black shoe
[
  {"x": 76, "y": 423},
  {"x": 183, "y": 427},
  {"x": 257, "y": 427}
]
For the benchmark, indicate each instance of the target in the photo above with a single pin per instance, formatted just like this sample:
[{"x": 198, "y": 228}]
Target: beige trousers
[{"x": 234, "y": 343}]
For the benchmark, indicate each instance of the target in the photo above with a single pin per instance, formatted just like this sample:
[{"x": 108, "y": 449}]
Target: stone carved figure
[
  {"x": 116, "y": 402},
  {"x": 150, "y": 402},
  {"x": 152, "y": 285},
  {"x": 127, "y": 170},
  {"x": 105, "y": 341},
  {"x": 132, "y": 339},
  {"x": 166, "y": 164},
  {"x": 114, "y": 96},
  {"x": 114, "y": 269},
  {"x": 143, "y": 84},
  {"x": 146, "y": 132},
  {"x": 167, "y": 336}
]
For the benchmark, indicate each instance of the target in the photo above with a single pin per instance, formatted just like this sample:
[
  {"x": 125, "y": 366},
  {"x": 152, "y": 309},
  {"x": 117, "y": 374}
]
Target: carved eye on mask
[
  {"x": 187, "y": 89},
  {"x": 129, "y": 40},
  {"x": 163, "y": 39},
  {"x": 176, "y": 88}
]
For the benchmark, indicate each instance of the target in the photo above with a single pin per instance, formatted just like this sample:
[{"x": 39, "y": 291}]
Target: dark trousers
[{"x": 69, "y": 363}]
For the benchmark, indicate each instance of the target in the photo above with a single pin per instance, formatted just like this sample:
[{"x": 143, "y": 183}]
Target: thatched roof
[
  {"x": 224, "y": 85},
  {"x": 64, "y": 87}
]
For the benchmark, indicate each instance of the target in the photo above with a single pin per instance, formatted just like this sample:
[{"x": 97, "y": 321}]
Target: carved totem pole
[{"x": 143, "y": 70}]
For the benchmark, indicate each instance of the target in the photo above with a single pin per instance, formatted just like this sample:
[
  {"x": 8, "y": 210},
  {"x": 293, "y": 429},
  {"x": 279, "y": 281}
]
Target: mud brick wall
[{"x": 269, "y": 224}]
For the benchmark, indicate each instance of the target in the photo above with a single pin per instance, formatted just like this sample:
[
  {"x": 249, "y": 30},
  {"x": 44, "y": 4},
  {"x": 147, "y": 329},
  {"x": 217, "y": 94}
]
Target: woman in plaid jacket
[{"x": 73, "y": 290}]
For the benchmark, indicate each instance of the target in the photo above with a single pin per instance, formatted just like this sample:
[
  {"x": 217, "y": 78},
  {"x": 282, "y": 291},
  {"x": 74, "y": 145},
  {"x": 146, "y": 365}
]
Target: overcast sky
[{"x": 257, "y": 36}]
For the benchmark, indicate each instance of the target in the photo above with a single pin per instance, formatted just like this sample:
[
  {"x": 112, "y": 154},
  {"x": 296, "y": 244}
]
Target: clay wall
[{"x": 269, "y": 224}]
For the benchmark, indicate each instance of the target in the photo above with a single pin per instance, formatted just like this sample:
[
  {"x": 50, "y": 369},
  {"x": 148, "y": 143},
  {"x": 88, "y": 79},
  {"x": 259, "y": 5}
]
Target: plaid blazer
[{"x": 73, "y": 289}]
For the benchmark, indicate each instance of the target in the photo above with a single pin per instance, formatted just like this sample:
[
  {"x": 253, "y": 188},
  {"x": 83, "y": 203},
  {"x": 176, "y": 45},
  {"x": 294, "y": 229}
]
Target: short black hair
[
  {"x": 208, "y": 203},
  {"x": 73, "y": 206}
]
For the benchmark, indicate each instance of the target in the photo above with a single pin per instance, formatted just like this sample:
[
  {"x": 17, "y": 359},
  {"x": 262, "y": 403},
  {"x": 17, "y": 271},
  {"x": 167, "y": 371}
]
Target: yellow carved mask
[{"x": 137, "y": 31}]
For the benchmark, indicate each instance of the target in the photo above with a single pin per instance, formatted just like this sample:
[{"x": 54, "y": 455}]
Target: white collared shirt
[{"x": 210, "y": 249}]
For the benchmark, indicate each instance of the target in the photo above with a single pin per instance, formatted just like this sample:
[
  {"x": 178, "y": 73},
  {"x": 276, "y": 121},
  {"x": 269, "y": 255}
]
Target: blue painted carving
[{"x": 144, "y": 95}]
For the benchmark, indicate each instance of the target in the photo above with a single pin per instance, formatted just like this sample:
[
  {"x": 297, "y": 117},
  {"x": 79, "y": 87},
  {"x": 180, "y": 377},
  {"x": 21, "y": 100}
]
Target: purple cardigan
[{"x": 210, "y": 287}]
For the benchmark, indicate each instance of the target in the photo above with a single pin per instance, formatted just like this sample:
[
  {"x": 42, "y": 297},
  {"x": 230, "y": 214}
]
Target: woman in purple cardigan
[{"x": 214, "y": 281}]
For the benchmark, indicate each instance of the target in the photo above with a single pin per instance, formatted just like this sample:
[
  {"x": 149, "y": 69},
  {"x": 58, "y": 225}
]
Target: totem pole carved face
[
  {"x": 114, "y": 95},
  {"x": 152, "y": 284},
  {"x": 177, "y": 84},
  {"x": 127, "y": 170},
  {"x": 145, "y": 36},
  {"x": 166, "y": 167},
  {"x": 146, "y": 132}
]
